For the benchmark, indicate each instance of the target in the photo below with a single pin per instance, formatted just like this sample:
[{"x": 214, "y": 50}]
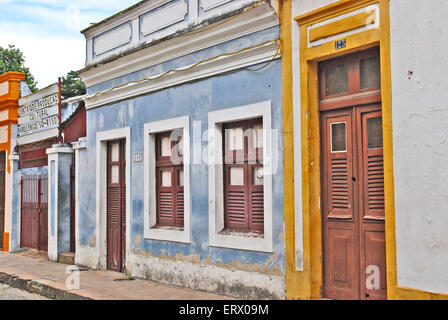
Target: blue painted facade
[{"x": 195, "y": 99}]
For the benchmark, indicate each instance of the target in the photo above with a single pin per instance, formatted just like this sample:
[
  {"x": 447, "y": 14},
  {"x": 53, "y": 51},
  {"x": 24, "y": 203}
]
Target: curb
[{"x": 37, "y": 287}]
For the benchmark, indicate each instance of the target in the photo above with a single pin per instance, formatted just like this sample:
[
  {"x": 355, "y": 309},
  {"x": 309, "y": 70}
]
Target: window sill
[
  {"x": 170, "y": 234},
  {"x": 167, "y": 228},
  {"x": 242, "y": 241},
  {"x": 242, "y": 234}
]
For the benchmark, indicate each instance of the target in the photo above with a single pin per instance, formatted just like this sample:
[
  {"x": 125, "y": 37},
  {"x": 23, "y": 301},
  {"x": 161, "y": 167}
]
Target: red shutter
[
  {"x": 373, "y": 173},
  {"x": 180, "y": 209},
  {"x": 236, "y": 210},
  {"x": 375, "y": 182},
  {"x": 339, "y": 184},
  {"x": 165, "y": 202},
  {"x": 170, "y": 200},
  {"x": 243, "y": 205},
  {"x": 113, "y": 199},
  {"x": 340, "y": 170},
  {"x": 257, "y": 210}
]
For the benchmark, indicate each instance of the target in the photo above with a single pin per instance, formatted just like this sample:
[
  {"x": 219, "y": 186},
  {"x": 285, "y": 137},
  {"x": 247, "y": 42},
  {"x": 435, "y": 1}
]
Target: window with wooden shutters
[
  {"x": 169, "y": 179},
  {"x": 243, "y": 176}
]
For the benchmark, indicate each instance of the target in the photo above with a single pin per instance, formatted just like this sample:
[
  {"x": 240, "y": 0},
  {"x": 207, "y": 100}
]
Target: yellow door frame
[{"x": 307, "y": 284}]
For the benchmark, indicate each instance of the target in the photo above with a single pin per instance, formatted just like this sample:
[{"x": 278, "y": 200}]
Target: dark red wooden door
[
  {"x": 72, "y": 205},
  {"x": 116, "y": 206},
  {"x": 353, "y": 207},
  {"x": 34, "y": 212},
  {"x": 2, "y": 196},
  {"x": 353, "y": 203},
  {"x": 341, "y": 268}
]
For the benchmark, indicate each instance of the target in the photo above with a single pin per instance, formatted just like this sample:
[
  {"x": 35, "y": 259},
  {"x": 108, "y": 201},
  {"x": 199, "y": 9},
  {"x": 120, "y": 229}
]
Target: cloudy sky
[{"x": 48, "y": 32}]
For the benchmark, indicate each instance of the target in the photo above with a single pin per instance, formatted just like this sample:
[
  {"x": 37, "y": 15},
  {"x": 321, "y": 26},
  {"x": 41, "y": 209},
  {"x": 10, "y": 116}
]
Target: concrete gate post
[
  {"x": 16, "y": 193},
  {"x": 59, "y": 162}
]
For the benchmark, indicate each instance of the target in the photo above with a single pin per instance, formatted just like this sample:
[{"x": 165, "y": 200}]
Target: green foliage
[
  {"x": 12, "y": 59},
  {"x": 72, "y": 86}
]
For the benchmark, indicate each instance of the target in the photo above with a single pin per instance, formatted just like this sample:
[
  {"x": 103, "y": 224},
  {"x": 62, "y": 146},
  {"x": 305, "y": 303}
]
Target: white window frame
[
  {"x": 216, "y": 184},
  {"x": 150, "y": 204},
  {"x": 101, "y": 191}
]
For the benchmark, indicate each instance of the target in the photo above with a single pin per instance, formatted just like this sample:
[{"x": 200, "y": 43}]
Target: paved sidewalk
[{"x": 33, "y": 272}]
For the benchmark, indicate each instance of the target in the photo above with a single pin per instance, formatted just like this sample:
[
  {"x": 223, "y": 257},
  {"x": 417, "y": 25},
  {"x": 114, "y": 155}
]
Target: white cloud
[
  {"x": 47, "y": 57},
  {"x": 102, "y": 5},
  {"x": 48, "y": 32}
]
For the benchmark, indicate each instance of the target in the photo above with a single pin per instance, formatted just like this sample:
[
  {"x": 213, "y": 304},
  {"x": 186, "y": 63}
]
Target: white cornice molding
[
  {"x": 211, "y": 4},
  {"x": 260, "y": 18},
  {"x": 221, "y": 65},
  {"x": 163, "y": 17},
  {"x": 119, "y": 19}
]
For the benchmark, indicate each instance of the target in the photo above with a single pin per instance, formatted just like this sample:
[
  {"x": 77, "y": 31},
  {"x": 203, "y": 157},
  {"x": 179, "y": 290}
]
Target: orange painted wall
[{"x": 9, "y": 103}]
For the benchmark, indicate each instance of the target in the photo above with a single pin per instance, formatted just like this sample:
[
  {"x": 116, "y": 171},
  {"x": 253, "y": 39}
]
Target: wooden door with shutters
[
  {"x": 116, "y": 205},
  {"x": 353, "y": 210},
  {"x": 2, "y": 196}
]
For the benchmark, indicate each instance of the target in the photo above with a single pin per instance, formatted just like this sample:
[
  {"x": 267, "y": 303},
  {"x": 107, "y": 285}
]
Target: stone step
[{"x": 67, "y": 258}]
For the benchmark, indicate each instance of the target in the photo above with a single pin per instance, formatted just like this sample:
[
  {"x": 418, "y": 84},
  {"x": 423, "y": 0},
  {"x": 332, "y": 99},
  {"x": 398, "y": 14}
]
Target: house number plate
[
  {"x": 138, "y": 157},
  {"x": 341, "y": 44}
]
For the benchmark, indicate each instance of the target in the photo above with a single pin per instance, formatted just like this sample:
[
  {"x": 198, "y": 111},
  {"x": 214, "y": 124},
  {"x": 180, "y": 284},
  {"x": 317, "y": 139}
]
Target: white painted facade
[
  {"x": 420, "y": 130},
  {"x": 420, "y": 145},
  {"x": 213, "y": 39}
]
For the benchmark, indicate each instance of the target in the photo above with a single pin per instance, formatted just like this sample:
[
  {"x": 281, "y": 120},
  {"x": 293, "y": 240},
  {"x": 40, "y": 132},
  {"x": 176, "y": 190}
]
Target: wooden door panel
[
  {"x": 374, "y": 263},
  {"x": 342, "y": 265},
  {"x": 114, "y": 250},
  {"x": 341, "y": 268},
  {"x": 372, "y": 208},
  {"x": 26, "y": 228},
  {"x": 43, "y": 229},
  {"x": 34, "y": 230}
]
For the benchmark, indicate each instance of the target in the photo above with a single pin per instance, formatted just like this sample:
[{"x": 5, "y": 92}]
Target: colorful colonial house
[
  {"x": 42, "y": 169},
  {"x": 9, "y": 96},
  {"x": 365, "y": 122},
  {"x": 181, "y": 176}
]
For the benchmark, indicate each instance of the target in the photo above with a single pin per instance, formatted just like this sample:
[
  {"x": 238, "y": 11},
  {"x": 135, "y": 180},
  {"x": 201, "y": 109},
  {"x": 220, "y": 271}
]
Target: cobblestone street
[{"x": 8, "y": 293}]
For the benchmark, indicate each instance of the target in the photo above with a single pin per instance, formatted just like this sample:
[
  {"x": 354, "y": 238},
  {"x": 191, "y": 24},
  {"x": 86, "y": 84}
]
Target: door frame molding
[
  {"x": 308, "y": 283},
  {"x": 101, "y": 190}
]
